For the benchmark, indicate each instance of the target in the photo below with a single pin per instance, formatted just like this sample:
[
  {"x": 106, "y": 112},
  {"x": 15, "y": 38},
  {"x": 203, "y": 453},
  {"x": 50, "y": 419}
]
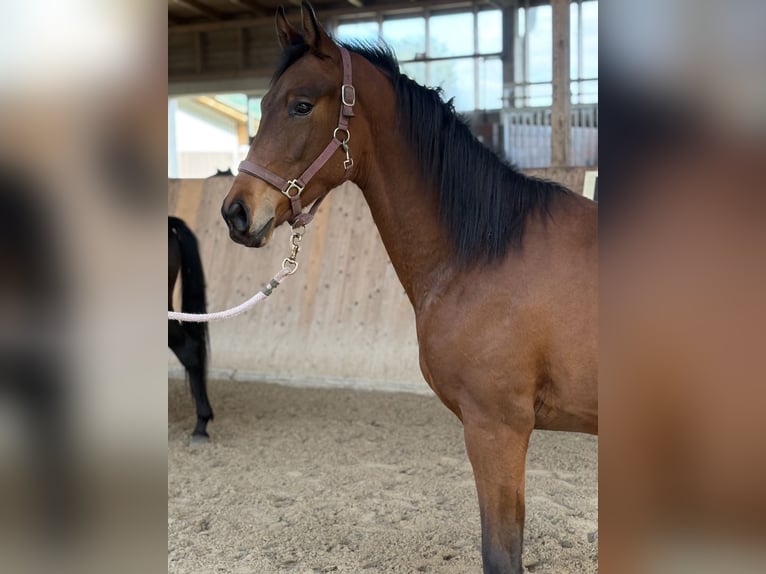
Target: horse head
[{"x": 303, "y": 135}]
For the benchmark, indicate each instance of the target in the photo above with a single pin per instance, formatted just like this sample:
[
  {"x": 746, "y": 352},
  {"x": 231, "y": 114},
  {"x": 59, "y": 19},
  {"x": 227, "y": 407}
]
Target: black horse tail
[{"x": 192, "y": 281}]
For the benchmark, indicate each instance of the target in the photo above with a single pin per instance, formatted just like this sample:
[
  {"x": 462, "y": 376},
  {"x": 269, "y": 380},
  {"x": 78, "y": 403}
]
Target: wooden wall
[{"x": 342, "y": 320}]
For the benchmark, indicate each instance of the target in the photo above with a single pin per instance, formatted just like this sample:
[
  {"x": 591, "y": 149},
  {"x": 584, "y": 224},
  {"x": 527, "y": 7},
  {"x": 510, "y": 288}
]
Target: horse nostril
[{"x": 238, "y": 216}]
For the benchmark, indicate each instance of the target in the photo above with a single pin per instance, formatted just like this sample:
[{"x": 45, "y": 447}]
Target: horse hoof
[{"x": 199, "y": 438}]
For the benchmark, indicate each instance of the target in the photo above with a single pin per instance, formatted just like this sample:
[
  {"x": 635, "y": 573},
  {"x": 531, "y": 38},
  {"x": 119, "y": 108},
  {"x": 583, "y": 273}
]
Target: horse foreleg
[{"x": 498, "y": 454}]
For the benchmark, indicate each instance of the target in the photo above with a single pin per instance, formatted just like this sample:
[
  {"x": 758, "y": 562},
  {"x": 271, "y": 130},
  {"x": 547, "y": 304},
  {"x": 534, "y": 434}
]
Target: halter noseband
[{"x": 340, "y": 136}]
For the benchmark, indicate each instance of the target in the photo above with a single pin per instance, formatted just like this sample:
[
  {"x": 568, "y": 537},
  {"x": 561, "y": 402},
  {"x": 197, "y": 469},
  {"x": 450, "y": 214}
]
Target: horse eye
[{"x": 302, "y": 108}]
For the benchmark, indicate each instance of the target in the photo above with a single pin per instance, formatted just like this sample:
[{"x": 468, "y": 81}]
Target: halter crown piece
[{"x": 340, "y": 136}]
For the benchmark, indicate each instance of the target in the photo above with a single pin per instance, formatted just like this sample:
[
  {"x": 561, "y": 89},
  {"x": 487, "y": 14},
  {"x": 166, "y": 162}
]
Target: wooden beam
[
  {"x": 561, "y": 111},
  {"x": 203, "y": 9},
  {"x": 251, "y": 6},
  {"x": 250, "y": 80},
  {"x": 222, "y": 108},
  {"x": 504, "y": 3},
  {"x": 322, "y": 13}
]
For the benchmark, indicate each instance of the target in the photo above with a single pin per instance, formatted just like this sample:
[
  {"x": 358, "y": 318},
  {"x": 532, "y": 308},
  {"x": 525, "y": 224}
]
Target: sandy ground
[{"x": 333, "y": 480}]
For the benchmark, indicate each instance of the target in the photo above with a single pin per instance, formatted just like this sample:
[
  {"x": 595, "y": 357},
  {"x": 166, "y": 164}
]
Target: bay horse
[
  {"x": 189, "y": 340},
  {"x": 500, "y": 268}
]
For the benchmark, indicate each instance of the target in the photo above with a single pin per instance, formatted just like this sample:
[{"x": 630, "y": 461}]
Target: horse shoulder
[{"x": 478, "y": 342}]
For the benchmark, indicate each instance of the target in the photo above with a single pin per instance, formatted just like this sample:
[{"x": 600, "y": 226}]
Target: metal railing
[{"x": 527, "y": 133}]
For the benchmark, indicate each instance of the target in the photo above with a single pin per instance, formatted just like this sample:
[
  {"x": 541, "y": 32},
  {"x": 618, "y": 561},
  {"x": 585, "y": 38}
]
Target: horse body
[
  {"x": 507, "y": 330},
  {"x": 189, "y": 340},
  {"x": 505, "y": 348},
  {"x": 532, "y": 314},
  {"x": 509, "y": 325}
]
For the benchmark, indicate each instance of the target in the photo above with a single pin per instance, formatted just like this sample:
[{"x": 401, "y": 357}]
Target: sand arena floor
[{"x": 332, "y": 480}]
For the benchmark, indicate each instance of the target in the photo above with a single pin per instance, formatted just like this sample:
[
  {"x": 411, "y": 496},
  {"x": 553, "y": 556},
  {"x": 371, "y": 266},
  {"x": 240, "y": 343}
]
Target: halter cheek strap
[{"x": 293, "y": 188}]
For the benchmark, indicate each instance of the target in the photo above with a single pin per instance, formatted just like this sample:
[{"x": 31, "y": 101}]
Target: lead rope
[{"x": 289, "y": 267}]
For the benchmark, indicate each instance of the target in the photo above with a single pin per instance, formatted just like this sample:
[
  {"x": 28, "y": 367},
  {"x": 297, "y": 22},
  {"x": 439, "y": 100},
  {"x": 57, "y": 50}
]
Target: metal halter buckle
[
  {"x": 293, "y": 184},
  {"x": 348, "y": 100}
]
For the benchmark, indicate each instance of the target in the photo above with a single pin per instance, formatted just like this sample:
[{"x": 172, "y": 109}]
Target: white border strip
[
  {"x": 384, "y": 386},
  {"x": 589, "y": 184}
]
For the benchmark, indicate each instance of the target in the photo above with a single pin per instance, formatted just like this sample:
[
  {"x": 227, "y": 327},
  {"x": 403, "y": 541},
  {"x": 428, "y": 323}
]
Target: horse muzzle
[
  {"x": 250, "y": 215},
  {"x": 243, "y": 229}
]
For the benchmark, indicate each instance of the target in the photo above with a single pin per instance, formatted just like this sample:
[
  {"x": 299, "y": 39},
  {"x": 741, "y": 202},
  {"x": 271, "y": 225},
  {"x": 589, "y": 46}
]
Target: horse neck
[{"x": 405, "y": 212}]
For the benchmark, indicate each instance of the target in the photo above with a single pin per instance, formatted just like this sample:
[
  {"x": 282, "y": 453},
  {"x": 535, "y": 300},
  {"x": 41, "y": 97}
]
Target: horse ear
[
  {"x": 315, "y": 35},
  {"x": 288, "y": 36}
]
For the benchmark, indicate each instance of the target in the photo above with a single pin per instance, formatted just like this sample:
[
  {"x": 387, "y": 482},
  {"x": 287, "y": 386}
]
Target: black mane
[{"x": 484, "y": 202}]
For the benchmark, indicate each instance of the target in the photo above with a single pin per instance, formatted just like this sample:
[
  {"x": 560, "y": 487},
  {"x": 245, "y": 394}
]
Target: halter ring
[{"x": 335, "y": 135}]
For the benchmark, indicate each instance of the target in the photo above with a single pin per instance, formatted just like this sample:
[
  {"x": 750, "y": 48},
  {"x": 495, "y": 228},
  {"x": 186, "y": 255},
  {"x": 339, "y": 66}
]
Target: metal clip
[
  {"x": 348, "y": 162},
  {"x": 290, "y": 264}
]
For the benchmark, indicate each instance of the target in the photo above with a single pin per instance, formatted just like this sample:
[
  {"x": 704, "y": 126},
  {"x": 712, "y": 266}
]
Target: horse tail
[{"x": 192, "y": 281}]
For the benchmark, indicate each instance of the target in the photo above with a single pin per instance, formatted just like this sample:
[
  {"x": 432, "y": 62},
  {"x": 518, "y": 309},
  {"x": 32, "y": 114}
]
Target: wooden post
[
  {"x": 510, "y": 13},
  {"x": 561, "y": 112}
]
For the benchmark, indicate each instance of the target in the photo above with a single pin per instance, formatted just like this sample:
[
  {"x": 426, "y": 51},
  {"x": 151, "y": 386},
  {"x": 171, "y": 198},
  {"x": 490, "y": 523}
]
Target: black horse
[{"x": 189, "y": 341}]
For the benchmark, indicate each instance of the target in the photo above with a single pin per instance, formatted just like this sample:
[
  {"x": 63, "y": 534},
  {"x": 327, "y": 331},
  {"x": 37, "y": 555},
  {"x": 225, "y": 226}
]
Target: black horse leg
[
  {"x": 191, "y": 354},
  {"x": 199, "y": 392}
]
